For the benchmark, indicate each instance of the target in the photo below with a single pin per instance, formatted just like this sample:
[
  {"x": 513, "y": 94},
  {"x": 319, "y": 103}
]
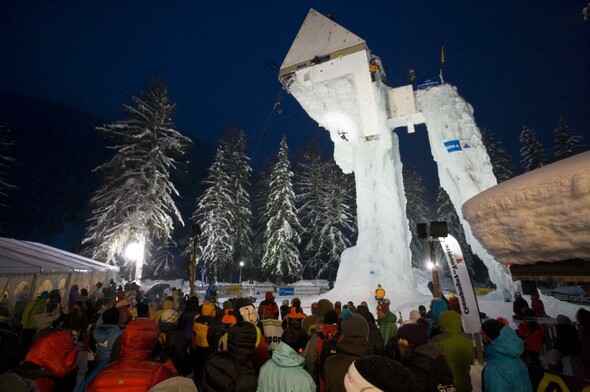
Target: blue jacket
[
  {"x": 105, "y": 336},
  {"x": 284, "y": 372},
  {"x": 505, "y": 371}
]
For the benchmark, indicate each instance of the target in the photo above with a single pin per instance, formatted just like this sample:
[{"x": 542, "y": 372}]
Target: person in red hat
[
  {"x": 268, "y": 309},
  {"x": 386, "y": 322}
]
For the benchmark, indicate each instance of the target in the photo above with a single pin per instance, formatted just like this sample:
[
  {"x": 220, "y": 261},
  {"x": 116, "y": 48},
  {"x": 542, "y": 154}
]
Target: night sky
[{"x": 517, "y": 64}]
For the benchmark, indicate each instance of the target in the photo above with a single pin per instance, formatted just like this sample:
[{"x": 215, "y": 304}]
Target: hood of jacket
[
  {"x": 507, "y": 344},
  {"x": 55, "y": 351},
  {"x": 285, "y": 356},
  {"x": 387, "y": 318},
  {"x": 139, "y": 339},
  {"x": 355, "y": 345},
  {"x": 450, "y": 321},
  {"x": 208, "y": 309},
  {"x": 324, "y": 305},
  {"x": 438, "y": 306}
]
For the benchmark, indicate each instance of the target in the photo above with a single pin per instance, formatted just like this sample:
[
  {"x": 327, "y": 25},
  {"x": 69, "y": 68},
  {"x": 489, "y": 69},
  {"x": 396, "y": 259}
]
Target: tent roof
[{"x": 31, "y": 257}]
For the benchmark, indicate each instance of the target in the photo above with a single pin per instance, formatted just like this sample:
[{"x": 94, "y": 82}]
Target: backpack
[{"x": 328, "y": 346}]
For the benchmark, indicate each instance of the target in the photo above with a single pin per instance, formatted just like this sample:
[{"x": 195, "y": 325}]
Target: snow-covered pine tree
[
  {"x": 445, "y": 212},
  {"x": 240, "y": 171},
  {"x": 565, "y": 144},
  {"x": 338, "y": 219},
  {"x": 532, "y": 153},
  {"x": 215, "y": 216},
  {"x": 261, "y": 192},
  {"x": 501, "y": 163},
  {"x": 280, "y": 260},
  {"x": 310, "y": 181},
  {"x": 134, "y": 202},
  {"x": 418, "y": 211}
]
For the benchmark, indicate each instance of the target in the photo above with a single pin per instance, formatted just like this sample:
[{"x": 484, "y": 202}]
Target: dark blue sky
[{"x": 517, "y": 64}]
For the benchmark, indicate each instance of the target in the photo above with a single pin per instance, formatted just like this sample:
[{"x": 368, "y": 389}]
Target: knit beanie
[
  {"x": 364, "y": 311},
  {"x": 378, "y": 373},
  {"x": 415, "y": 334},
  {"x": 331, "y": 317},
  {"x": 491, "y": 328},
  {"x": 383, "y": 307},
  {"x": 169, "y": 316},
  {"x": 353, "y": 324},
  {"x": 324, "y": 305}
]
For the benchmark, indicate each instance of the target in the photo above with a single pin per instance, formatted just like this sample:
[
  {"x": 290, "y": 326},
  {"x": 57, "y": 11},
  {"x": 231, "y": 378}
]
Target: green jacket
[
  {"x": 387, "y": 326},
  {"x": 457, "y": 349},
  {"x": 284, "y": 372},
  {"x": 35, "y": 306}
]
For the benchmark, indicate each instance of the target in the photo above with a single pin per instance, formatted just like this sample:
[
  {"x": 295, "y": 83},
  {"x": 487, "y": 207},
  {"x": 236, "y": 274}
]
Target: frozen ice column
[{"x": 327, "y": 70}]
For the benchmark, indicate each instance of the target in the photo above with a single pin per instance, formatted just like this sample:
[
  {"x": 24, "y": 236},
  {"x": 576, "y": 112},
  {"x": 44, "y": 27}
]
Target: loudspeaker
[
  {"x": 439, "y": 229},
  {"x": 422, "y": 230}
]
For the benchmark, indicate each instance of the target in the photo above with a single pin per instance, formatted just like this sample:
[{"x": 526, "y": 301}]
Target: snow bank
[{"x": 538, "y": 216}]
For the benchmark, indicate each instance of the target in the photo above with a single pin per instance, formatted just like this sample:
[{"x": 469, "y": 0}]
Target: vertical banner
[{"x": 462, "y": 281}]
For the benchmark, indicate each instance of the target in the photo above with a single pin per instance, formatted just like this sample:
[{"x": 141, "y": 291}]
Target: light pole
[
  {"x": 241, "y": 265},
  {"x": 134, "y": 251},
  {"x": 437, "y": 230},
  {"x": 196, "y": 231}
]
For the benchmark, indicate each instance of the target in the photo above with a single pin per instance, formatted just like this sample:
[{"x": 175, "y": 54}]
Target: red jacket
[
  {"x": 134, "y": 372},
  {"x": 55, "y": 352},
  {"x": 533, "y": 340}
]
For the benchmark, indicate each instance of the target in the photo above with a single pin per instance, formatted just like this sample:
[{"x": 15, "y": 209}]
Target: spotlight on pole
[{"x": 134, "y": 251}]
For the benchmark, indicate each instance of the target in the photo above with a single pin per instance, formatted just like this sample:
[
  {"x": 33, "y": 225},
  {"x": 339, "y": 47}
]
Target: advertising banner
[{"x": 463, "y": 286}]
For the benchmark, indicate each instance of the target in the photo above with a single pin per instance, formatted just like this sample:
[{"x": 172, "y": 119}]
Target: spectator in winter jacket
[
  {"x": 11, "y": 351},
  {"x": 456, "y": 348},
  {"x": 453, "y": 303},
  {"x": 437, "y": 306},
  {"x": 375, "y": 338},
  {"x": 191, "y": 309},
  {"x": 353, "y": 345},
  {"x": 73, "y": 295},
  {"x": 567, "y": 343},
  {"x": 29, "y": 324},
  {"x": 284, "y": 371},
  {"x": 202, "y": 345},
  {"x": 504, "y": 370},
  {"x": 327, "y": 327},
  {"x": 134, "y": 371},
  {"x": 309, "y": 323},
  {"x": 167, "y": 304},
  {"x": 518, "y": 305},
  {"x": 424, "y": 360},
  {"x": 582, "y": 365},
  {"x": 231, "y": 370},
  {"x": 533, "y": 335},
  {"x": 284, "y": 309},
  {"x": 228, "y": 318},
  {"x": 537, "y": 305},
  {"x": 268, "y": 309},
  {"x": 377, "y": 373},
  {"x": 247, "y": 312},
  {"x": 50, "y": 363},
  {"x": 171, "y": 343},
  {"x": 386, "y": 322}
]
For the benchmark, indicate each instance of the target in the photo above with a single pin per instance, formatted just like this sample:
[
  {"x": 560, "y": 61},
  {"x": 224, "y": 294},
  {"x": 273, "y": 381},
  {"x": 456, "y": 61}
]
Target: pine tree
[
  {"x": 240, "y": 171},
  {"x": 327, "y": 213},
  {"x": 565, "y": 144},
  {"x": 501, "y": 163},
  {"x": 134, "y": 202},
  {"x": 215, "y": 216},
  {"x": 532, "y": 153},
  {"x": 280, "y": 259},
  {"x": 418, "y": 211},
  {"x": 261, "y": 194},
  {"x": 224, "y": 212},
  {"x": 338, "y": 219}
]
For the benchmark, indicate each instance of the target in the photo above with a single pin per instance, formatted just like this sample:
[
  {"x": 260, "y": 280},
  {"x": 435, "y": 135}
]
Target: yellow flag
[{"x": 442, "y": 55}]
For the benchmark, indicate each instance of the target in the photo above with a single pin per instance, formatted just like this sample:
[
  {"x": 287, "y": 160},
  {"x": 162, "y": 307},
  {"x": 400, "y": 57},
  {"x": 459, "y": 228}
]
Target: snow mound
[{"x": 538, "y": 216}]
